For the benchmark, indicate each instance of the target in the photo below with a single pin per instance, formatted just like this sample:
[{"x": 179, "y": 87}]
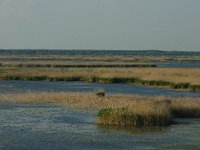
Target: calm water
[
  {"x": 50, "y": 127},
  {"x": 99, "y": 52},
  {"x": 169, "y": 64},
  {"x": 53, "y": 127},
  {"x": 24, "y": 86},
  {"x": 179, "y": 64}
]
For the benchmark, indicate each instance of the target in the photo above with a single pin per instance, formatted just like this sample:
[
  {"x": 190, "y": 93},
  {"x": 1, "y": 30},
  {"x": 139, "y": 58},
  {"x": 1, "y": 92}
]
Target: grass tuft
[
  {"x": 100, "y": 93},
  {"x": 142, "y": 113}
]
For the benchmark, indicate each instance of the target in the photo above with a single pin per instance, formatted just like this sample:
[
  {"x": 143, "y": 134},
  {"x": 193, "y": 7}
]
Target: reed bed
[
  {"x": 74, "y": 64},
  {"x": 186, "y": 108},
  {"x": 141, "y": 113},
  {"x": 174, "y": 78},
  {"x": 100, "y": 58},
  {"x": 176, "y": 75},
  {"x": 122, "y": 110},
  {"x": 76, "y": 100},
  {"x": 154, "y": 112}
]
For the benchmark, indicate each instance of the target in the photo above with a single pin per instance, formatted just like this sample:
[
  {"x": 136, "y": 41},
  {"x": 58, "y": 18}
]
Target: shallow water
[
  {"x": 50, "y": 127},
  {"x": 179, "y": 64},
  {"x": 24, "y": 86},
  {"x": 168, "y": 64},
  {"x": 99, "y": 52}
]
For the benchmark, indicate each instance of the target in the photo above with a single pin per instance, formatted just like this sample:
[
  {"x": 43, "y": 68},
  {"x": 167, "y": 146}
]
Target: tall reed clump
[
  {"x": 195, "y": 88},
  {"x": 141, "y": 113},
  {"x": 186, "y": 108}
]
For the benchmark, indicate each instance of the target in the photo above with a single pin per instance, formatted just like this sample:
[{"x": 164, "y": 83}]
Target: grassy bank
[
  {"x": 99, "y": 58},
  {"x": 76, "y": 64},
  {"x": 186, "y": 108},
  {"x": 118, "y": 109},
  {"x": 174, "y": 78}
]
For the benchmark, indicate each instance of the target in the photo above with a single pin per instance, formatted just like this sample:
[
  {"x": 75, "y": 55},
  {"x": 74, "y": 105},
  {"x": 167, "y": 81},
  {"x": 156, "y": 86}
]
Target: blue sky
[{"x": 100, "y": 24}]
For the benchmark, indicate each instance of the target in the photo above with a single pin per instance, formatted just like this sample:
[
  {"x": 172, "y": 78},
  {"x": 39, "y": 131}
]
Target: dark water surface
[
  {"x": 179, "y": 64},
  {"x": 157, "y": 53},
  {"x": 25, "y": 86},
  {"x": 98, "y": 52},
  {"x": 51, "y": 127}
]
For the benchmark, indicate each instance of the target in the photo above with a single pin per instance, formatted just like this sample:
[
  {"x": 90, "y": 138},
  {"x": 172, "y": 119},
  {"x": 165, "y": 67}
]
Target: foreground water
[
  {"x": 50, "y": 127},
  {"x": 38, "y": 86}
]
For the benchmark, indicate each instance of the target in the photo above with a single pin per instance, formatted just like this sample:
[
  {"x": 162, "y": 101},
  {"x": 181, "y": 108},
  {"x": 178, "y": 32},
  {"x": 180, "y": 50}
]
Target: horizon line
[{"x": 100, "y": 49}]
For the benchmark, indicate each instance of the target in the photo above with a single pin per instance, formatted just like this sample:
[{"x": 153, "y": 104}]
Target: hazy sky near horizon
[{"x": 100, "y": 24}]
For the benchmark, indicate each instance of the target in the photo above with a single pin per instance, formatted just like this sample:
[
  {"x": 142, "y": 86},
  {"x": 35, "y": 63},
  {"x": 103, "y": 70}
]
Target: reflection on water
[
  {"x": 31, "y": 126},
  {"x": 24, "y": 86},
  {"x": 179, "y": 64}
]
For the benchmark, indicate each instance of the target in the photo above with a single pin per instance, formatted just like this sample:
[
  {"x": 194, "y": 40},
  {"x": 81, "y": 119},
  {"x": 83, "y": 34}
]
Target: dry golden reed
[
  {"x": 117, "y": 109},
  {"x": 74, "y": 64},
  {"x": 175, "y": 75},
  {"x": 186, "y": 107},
  {"x": 77, "y": 100},
  {"x": 101, "y": 58},
  {"x": 140, "y": 113},
  {"x": 91, "y": 100}
]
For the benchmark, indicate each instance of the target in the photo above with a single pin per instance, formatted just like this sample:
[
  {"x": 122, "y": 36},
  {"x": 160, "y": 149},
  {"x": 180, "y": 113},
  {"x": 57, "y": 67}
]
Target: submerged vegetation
[
  {"x": 174, "y": 78},
  {"x": 129, "y": 110}
]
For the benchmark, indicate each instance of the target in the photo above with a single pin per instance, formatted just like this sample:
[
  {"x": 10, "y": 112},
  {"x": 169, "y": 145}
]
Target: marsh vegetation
[
  {"x": 174, "y": 78},
  {"x": 62, "y": 114},
  {"x": 77, "y": 64},
  {"x": 114, "y": 109},
  {"x": 156, "y": 112},
  {"x": 100, "y": 58},
  {"x": 130, "y": 110}
]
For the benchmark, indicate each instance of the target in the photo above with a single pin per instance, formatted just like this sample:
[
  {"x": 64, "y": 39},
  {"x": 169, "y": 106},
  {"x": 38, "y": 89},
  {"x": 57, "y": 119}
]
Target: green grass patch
[
  {"x": 47, "y": 74},
  {"x": 152, "y": 114}
]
